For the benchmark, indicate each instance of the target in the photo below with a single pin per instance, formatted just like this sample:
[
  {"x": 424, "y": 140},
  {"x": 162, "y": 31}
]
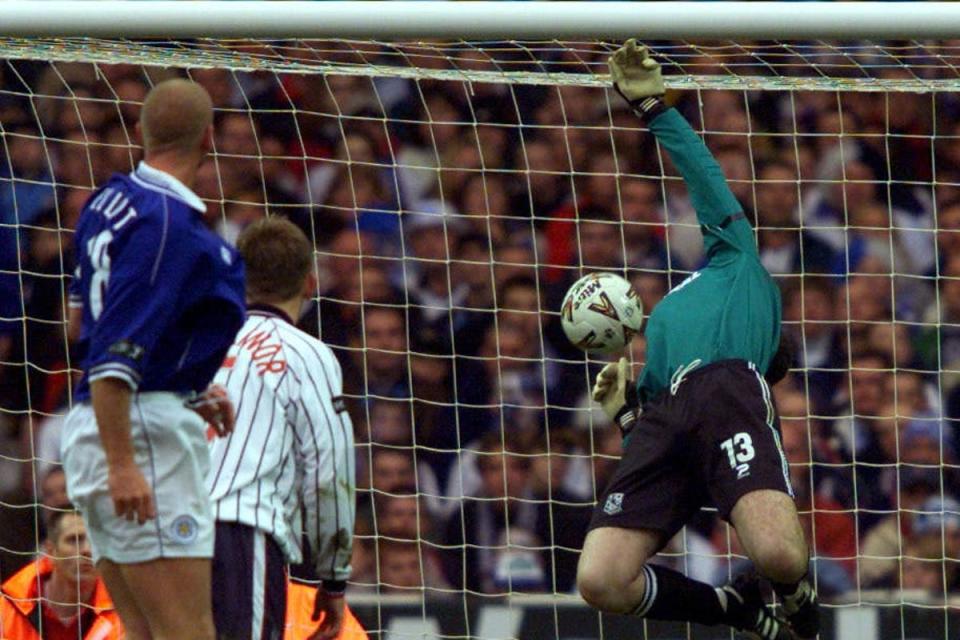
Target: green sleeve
[{"x": 720, "y": 215}]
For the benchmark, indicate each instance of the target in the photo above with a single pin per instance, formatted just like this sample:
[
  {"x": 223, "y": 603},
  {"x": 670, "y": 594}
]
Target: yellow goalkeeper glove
[
  {"x": 635, "y": 74},
  {"x": 617, "y": 394}
]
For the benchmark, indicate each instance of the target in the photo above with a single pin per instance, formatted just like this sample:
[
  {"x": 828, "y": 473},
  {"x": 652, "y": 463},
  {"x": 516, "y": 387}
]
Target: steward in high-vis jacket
[
  {"x": 301, "y": 624},
  {"x": 59, "y": 596}
]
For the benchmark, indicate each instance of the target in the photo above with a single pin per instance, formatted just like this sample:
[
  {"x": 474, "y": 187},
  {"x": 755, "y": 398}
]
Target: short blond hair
[{"x": 175, "y": 116}]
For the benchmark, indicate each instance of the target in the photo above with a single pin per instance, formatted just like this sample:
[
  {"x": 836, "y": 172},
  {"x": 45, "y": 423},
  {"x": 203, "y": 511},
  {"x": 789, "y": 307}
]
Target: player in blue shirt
[{"x": 160, "y": 299}]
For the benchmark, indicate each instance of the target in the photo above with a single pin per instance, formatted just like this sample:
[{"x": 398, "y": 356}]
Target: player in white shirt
[{"x": 286, "y": 474}]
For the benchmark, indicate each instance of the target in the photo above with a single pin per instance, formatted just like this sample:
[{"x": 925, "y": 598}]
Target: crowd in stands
[{"x": 449, "y": 219}]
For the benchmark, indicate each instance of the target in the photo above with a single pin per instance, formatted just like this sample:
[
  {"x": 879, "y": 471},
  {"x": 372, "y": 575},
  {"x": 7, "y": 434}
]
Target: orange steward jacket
[
  {"x": 300, "y": 599},
  {"x": 20, "y": 607}
]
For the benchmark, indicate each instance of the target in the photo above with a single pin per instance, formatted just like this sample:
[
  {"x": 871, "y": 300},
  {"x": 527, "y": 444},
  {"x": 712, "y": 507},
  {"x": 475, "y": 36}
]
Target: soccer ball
[{"x": 601, "y": 313}]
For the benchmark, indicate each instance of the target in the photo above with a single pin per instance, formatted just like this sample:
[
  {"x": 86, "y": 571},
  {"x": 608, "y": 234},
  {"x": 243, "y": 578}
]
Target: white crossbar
[{"x": 481, "y": 20}]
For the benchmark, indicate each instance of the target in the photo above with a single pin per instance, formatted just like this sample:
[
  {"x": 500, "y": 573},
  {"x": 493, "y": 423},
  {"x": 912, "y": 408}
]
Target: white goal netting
[{"x": 453, "y": 191}]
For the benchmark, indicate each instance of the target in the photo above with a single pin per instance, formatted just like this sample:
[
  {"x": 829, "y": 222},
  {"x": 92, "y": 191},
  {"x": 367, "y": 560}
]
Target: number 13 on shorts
[{"x": 740, "y": 452}]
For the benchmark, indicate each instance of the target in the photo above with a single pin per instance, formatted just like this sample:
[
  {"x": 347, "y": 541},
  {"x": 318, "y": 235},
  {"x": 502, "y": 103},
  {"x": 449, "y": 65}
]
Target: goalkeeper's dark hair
[
  {"x": 783, "y": 360},
  {"x": 277, "y": 257}
]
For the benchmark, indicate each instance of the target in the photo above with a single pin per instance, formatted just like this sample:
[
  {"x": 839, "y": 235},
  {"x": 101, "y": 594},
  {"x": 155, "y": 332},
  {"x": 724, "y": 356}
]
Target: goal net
[{"x": 453, "y": 191}]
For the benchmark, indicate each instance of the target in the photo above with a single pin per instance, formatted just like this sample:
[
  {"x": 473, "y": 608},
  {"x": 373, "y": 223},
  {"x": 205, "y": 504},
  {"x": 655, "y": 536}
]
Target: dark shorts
[
  {"x": 249, "y": 584},
  {"x": 709, "y": 443}
]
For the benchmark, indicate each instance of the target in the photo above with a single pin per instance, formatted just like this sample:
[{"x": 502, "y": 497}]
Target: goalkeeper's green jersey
[{"x": 728, "y": 309}]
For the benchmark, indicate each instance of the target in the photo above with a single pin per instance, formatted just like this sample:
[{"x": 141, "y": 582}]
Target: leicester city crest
[
  {"x": 184, "y": 529},
  {"x": 614, "y": 504}
]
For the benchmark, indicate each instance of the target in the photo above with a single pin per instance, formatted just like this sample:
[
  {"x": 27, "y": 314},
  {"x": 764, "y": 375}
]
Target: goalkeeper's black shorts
[{"x": 715, "y": 438}]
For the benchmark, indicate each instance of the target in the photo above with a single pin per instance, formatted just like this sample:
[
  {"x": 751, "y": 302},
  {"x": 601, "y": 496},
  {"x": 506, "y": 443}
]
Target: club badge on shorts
[
  {"x": 184, "y": 529},
  {"x": 614, "y": 504}
]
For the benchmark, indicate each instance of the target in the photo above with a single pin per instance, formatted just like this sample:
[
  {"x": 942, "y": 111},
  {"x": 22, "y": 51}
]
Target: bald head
[{"x": 175, "y": 117}]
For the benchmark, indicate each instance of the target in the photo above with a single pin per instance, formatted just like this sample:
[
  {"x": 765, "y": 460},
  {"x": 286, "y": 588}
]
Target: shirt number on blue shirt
[{"x": 98, "y": 251}]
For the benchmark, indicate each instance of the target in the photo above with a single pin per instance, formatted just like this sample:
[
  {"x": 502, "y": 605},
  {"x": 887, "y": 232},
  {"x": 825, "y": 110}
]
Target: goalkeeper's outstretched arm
[{"x": 636, "y": 77}]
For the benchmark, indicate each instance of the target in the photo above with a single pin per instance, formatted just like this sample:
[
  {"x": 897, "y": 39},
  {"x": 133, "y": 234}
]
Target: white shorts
[{"x": 170, "y": 448}]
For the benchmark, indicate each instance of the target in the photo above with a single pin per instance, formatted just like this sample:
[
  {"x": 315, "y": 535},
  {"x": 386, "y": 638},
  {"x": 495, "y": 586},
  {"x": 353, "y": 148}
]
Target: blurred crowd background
[{"x": 450, "y": 217}]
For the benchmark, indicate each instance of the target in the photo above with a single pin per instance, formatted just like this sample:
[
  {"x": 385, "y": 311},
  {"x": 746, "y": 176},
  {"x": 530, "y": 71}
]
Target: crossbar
[{"x": 480, "y": 20}]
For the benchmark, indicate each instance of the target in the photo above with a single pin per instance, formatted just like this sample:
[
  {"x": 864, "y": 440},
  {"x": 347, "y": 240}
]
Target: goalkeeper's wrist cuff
[
  {"x": 631, "y": 410},
  {"x": 626, "y": 418},
  {"x": 334, "y": 588},
  {"x": 649, "y": 108}
]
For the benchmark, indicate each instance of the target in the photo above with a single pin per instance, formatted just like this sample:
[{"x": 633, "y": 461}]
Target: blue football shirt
[{"x": 162, "y": 295}]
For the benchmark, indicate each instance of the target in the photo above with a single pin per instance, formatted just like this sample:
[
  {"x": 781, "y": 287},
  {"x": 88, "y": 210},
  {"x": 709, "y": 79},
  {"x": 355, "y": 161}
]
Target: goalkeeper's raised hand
[{"x": 636, "y": 76}]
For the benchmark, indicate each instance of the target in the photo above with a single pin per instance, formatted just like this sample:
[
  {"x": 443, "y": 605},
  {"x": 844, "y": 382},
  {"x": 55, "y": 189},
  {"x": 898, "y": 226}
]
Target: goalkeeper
[{"x": 701, "y": 427}]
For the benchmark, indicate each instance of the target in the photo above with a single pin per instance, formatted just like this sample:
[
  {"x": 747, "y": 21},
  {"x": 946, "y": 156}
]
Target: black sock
[{"x": 670, "y": 595}]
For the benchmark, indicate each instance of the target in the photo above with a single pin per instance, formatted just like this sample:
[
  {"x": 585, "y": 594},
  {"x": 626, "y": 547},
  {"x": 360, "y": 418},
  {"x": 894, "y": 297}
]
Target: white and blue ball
[{"x": 601, "y": 313}]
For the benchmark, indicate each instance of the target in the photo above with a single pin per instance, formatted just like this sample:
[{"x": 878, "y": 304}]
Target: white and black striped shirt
[{"x": 292, "y": 445}]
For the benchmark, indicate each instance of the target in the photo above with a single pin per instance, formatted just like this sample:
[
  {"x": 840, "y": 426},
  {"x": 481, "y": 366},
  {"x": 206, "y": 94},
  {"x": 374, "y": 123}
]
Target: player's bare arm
[{"x": 132, "y": 496}]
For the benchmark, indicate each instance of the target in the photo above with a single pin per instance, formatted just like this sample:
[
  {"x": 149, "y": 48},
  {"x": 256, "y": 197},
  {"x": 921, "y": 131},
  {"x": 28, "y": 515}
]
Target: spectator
[
  {"x": 238, "y": 141},
  {"x": 378, "y": 364},
  {"x": 53, "y": 492},
  {"x": 402, "y": 518},
  {"x": 130, "y": 94},
  {"x": 562, "y": 516},
  {"x": 866, "y": 299},
  {"x": 883, "y": 544},
  {"x": 938, "y": 343},
  {"x": 60, "y": 592},
  {"x": 608, "y": 447},
  {"x": 431, "y": 233},
  {"x": 41, "y": 337},
  {"x": 925, "y": 570},
  {"x": 401, "y": 570},
  {"x": 491, "y": 543},
  {"x": 948, "y": 232},
  {"x": 484, "y": 203},
  {"x": 641, "y": 212},
  {"x": 542, "y": 188},
  {"x": 242, "y": 210},
  {"x": 858, "y": 407},
  {"x": 809, "y": 313},
  {"x": 828, "y": 526},
  {"x": 825, "y": 211},
  {"x": 892, "y": 339},
  {"x": 515, "y": 377},
  {"x": 515, "y": 257},
  {"x": 471, "y": 266},
  {"x": 26, "y": 191},
  {"x": 784, "y": 248},
  {"x": 438, "y": 129},
  {"x": 389, "y": 423},
  {"x": 392, "y": 470},
  {"x": 351, "y": 277},
  {"x": 355, "y": 189},
  {"x": 928, "y": 559}
]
